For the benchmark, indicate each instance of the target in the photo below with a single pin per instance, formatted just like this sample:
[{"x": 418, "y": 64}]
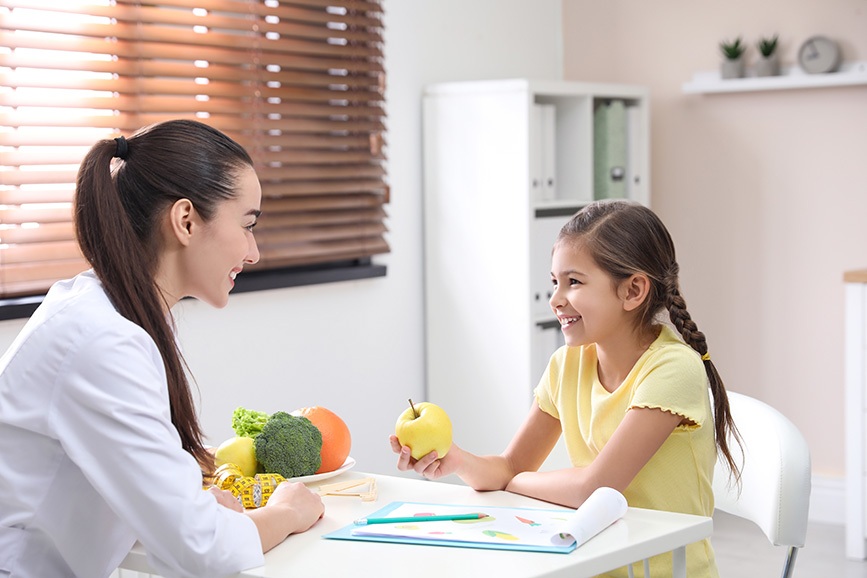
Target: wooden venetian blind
[{"x": 300, "y": 84}]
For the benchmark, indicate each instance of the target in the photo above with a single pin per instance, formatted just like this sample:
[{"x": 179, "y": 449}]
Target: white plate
[{"x": 347, "y": 465}]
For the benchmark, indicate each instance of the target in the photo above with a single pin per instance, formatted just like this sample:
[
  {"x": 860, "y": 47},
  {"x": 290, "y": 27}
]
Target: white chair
[{"x": 775, "y": 475}]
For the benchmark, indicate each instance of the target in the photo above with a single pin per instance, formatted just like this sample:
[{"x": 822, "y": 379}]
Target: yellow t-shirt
[{"x": 669, "y": 376}]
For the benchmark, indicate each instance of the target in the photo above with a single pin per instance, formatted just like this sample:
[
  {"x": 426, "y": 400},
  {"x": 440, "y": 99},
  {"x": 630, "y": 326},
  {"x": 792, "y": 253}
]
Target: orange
[{"x": 336, "y": 439}]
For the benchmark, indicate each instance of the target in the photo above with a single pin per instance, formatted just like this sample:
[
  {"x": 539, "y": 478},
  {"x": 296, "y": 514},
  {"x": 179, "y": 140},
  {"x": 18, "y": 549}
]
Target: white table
[{"x": 639, "y": 535}]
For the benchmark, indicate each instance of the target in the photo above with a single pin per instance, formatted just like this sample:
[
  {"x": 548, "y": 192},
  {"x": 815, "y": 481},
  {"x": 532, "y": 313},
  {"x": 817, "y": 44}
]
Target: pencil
[{"x": 368, "y": 521}]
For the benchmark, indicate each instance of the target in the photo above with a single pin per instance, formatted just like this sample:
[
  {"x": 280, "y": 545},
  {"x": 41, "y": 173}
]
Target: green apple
[
  {"x": 424, "y": 427},
  {"x": 238, "y": 451}
]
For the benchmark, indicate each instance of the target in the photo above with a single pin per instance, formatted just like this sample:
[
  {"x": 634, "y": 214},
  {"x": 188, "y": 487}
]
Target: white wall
[{"x": 357, "y": 347}]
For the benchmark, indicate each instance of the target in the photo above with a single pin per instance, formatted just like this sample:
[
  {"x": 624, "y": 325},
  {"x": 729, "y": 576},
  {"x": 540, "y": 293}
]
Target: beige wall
[{"x": 765, "y": 193}]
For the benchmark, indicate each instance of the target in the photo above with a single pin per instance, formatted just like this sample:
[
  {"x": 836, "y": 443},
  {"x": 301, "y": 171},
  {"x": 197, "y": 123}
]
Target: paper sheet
[{"x": 511, "y": 528}]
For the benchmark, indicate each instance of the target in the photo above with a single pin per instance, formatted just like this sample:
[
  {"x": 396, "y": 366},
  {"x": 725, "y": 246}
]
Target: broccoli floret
[
  {"x": 247, "y": 422},
  {"x": 289, "y": 445}
]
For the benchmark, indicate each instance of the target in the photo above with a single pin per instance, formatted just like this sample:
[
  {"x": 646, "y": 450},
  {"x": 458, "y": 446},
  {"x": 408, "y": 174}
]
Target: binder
[
  {"x": 609, "y": 150},
  {"x": 543, "y": 152},
  {"x": 634, "y": 141},
  {"x": 543, "y": 234},
  {"x": 536, "y": 190},
  {"x": 549, "y": 152}
]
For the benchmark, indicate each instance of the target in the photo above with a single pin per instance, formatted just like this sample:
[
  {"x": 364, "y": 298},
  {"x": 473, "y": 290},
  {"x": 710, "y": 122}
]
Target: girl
[
  {"x": 99, "y": 440},
  {"x": 628, "y": 394}
]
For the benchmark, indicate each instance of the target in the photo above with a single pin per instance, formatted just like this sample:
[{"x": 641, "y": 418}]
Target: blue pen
[{"x": 368, "y": 521}]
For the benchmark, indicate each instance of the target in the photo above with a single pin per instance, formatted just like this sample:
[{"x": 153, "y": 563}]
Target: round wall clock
[{"x": 819, "y": 54}]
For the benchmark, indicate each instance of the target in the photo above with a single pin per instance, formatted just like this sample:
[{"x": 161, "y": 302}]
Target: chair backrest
[{"x": 775, "y": 478}]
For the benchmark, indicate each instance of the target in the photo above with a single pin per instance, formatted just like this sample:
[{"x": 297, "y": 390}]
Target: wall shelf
[{"x": 849, "y": 74}]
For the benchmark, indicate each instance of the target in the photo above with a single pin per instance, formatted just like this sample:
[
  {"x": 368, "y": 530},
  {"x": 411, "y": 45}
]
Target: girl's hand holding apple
[
  {"x": 423, "y": 440},
  {"x": 424, "y": 427},
  {"x": 430, "y": 465}
]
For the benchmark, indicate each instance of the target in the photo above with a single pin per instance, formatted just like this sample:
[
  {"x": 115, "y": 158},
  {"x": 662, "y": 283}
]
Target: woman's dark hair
[
  {"x": 625, "y": 238},
  {"x": 117, "y": 211}
]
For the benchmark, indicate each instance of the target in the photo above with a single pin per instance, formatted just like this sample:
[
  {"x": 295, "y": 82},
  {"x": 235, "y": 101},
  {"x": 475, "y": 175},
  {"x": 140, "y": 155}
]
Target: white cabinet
[
  {"x": 856, "y": 414},
  {"x": 506, "y": 163}
]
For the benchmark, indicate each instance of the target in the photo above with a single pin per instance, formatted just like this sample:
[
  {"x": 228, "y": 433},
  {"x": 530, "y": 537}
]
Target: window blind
[{"x": 300, "y": 84}]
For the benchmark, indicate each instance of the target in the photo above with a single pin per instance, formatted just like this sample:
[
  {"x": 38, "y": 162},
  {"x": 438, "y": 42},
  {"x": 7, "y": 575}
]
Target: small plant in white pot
[
  {"x": 768, "y": 64},
  {"x": 733, "y": 63}
]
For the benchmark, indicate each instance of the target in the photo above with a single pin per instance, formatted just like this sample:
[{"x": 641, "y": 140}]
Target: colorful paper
[{"x": 529, "y": 529}]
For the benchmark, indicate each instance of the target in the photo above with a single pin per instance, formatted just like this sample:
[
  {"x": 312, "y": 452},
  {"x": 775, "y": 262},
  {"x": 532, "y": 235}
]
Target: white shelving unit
[
  {"x": 856, "y": 414},
  {"x": 490, "y": 224},
  {"x": 849, "y": 74}
]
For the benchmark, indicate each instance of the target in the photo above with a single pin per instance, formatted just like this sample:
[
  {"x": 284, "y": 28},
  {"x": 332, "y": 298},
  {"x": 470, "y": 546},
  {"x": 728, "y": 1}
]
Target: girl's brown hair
[
  {"x": 117, "y": 212},
  {"x": 625, "y": 238}
]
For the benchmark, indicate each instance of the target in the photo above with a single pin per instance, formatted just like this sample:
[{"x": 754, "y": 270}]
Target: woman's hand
[
  {"x": 306, "y": 504},
  {"x": 292, "y": 508},
  {"x": 226, "y": 499},
  {"x": 428, "y": 466}
]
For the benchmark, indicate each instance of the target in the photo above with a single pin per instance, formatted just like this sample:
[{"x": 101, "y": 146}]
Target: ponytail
[
  {"x": 116, "y": 215},
  {"x": 724, "y": 425}
]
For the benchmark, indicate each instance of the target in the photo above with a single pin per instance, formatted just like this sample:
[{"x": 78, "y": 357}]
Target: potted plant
[
  {"x": 768, "y": 64},
  {"x": 732, "y": 64}
]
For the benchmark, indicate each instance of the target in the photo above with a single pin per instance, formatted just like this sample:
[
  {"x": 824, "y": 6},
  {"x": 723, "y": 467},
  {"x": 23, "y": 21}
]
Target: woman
[{"x": 100, "y": 444}]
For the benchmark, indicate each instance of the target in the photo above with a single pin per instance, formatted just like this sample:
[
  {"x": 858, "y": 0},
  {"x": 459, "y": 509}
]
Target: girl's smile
[{"x": 567, "y": 321}]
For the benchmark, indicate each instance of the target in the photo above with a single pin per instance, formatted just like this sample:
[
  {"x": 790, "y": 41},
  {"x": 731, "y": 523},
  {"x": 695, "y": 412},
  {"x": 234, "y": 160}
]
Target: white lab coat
[{"x": 89, "y": 459}]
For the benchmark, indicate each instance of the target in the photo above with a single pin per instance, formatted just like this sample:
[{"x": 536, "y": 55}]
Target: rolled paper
[{"x": 604, "y": 507}]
